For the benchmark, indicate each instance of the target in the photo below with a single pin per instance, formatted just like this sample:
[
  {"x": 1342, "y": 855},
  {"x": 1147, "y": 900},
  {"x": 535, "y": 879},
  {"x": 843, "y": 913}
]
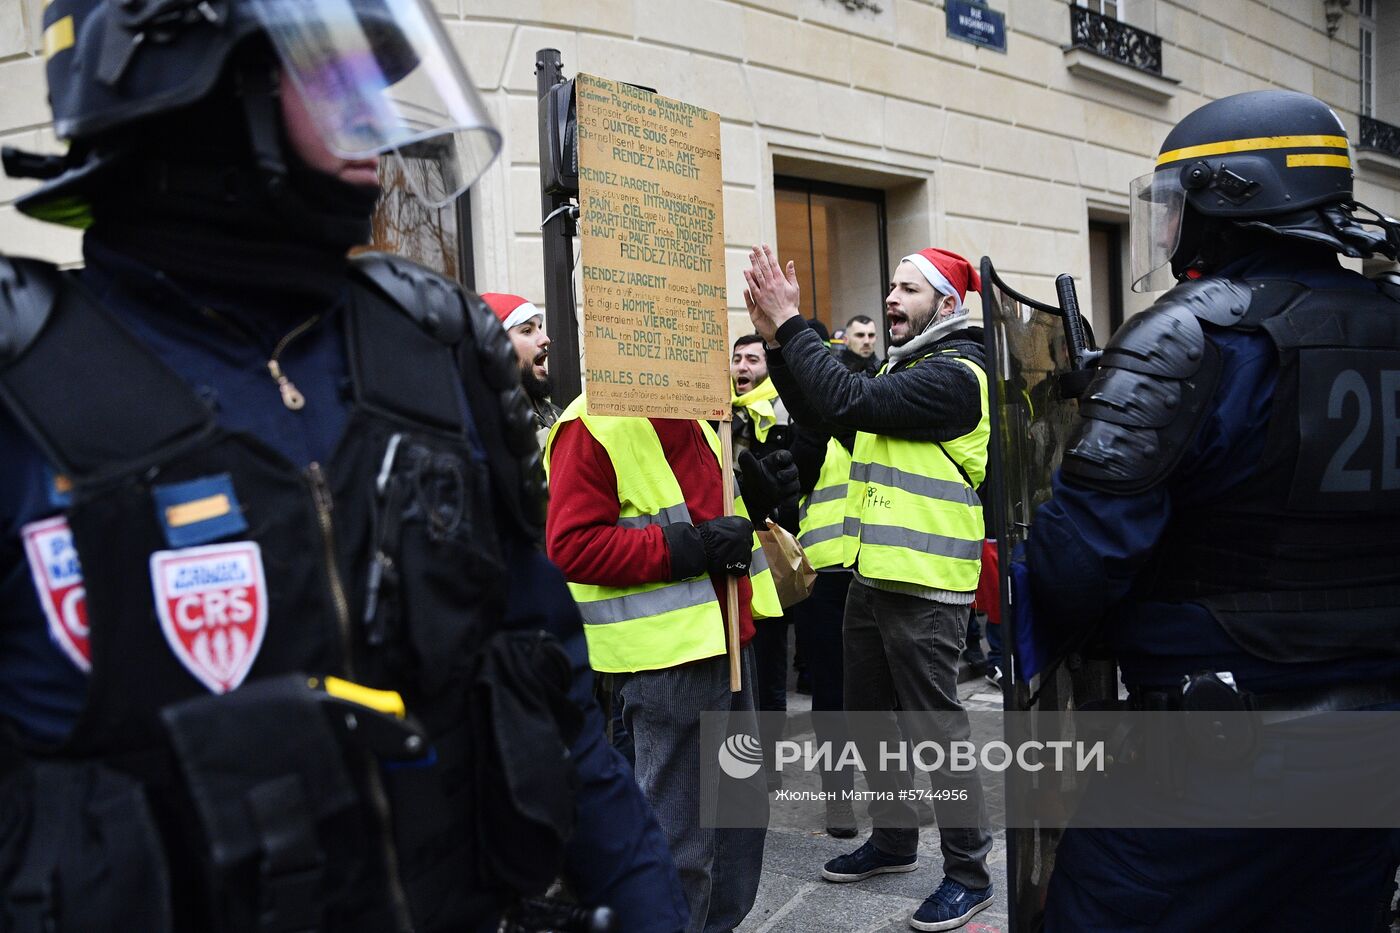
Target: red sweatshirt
[{"x": 582, "y": 535}]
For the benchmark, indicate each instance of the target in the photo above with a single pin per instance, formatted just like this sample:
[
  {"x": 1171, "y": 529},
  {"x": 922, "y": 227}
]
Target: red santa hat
[
  {"x": 511, "y": 309},
  {"x": 947, "y": 272}
]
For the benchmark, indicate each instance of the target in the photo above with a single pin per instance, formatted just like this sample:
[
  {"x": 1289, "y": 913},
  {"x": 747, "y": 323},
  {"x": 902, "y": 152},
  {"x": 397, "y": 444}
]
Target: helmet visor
[
  {"x": 1154, "y": 228},
  {"x": 380, "y": 76}
]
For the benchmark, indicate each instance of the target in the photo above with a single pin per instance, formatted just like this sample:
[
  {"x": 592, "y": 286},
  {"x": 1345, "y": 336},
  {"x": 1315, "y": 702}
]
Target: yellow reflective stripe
[
  {"x": 385, "y": 701},
  {"x": 1253, "y": 144},
  {"x": 198, "y": 510},
  {"x": 1318, "y": 160},
  {"x": 58, "y": 37}
]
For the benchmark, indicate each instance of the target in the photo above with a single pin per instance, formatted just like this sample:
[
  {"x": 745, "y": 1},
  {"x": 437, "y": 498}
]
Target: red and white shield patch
[
  {"x": 58, "y": 577},
  {"x": 212, "y": 603}
]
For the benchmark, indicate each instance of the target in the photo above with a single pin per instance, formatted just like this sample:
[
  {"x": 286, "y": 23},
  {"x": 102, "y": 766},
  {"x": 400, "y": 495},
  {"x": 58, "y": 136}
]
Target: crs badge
[
  {"x": 212, "y": 604},
  {"x": 58, "y": 578}
]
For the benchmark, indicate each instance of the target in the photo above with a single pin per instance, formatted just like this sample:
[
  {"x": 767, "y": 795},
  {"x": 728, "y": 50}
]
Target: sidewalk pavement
[{"x": 793, "y": 898}]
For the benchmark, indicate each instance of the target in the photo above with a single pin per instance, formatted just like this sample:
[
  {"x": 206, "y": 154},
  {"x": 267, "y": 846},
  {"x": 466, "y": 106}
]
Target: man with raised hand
[{"x": 913, "y": 534}]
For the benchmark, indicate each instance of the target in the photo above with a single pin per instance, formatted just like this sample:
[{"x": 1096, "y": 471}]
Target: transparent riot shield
[{"x": 1035, "y": 355}]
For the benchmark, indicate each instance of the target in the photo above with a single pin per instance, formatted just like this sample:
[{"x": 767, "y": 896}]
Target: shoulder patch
[
  {"x": 28, "y": 291},
  {"x": 212, "y": 606},
  {"x": 433, "y": 301},
  {"x": 58, "y": 581}
]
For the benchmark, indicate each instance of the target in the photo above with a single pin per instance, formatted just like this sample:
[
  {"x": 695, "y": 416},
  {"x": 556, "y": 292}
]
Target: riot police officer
[
  {"x": 277, "y": 645},
  {"x": 1229, "y": 511}
]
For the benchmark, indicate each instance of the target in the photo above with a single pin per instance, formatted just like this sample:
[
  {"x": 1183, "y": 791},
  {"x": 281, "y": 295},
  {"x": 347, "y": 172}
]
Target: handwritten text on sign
[{"x": 655, "y": 324}]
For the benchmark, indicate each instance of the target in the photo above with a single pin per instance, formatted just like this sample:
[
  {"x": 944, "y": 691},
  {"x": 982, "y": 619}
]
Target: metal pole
[{"x": 564, "y": 353}]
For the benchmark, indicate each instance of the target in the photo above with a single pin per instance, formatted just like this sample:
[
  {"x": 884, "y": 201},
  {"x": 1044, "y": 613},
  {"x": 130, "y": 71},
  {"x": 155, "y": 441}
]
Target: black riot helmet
[
  {"x": 378, "y": 76},
  {"x": 1253, "y": 164}
]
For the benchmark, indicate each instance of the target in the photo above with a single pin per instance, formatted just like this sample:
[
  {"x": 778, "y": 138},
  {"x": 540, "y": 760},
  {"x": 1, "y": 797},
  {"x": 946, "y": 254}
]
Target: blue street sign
[{"x": 975, "y": 23}]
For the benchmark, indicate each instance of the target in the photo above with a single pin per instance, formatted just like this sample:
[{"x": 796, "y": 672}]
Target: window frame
[
  {"x": 1366, "y": 54},
  {"x": 466, "y": 253},
  {"x": 1115, "y": 234},
  {"x": 831, "y": 189},
  {"x": 1100, "y": 7}
]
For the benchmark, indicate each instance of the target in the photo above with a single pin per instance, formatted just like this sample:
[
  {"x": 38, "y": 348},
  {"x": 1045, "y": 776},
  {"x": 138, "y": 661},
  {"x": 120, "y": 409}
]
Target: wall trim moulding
[
  {"x": 1373, "y": 160},
  {"x": 1085, "y": 64}
]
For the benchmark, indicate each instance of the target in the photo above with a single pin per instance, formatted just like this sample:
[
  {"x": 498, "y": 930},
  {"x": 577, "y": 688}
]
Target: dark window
[
  {"x": 439, "y": 238},
  {"x": 1106, "y": 278},
  {"x": 1367, "y": 16},
  {"x": 1102, "y": 7},
  {"x": 836, "y": 236}
]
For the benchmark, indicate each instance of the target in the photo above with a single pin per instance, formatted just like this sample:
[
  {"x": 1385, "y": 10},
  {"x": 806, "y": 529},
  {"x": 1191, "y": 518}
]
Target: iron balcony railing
[
  {"x": 1119, "y": 42},
  {"x": 1381, "y": 136}
]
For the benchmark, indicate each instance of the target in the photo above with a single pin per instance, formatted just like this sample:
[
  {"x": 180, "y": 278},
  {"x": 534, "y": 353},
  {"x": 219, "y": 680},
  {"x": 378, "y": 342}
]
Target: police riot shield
[{"x": 1036, "y": 363}]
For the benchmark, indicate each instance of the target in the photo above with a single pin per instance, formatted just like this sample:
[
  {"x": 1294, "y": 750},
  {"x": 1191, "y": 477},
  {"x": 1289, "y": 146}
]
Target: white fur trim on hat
[
  {"x": 521, "y": 314},
  {"x": 935, "y": 278}
]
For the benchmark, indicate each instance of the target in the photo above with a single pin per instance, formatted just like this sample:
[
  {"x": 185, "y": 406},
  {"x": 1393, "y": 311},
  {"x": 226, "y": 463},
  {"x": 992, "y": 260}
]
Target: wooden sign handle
[{"x": 731, "y": 587}]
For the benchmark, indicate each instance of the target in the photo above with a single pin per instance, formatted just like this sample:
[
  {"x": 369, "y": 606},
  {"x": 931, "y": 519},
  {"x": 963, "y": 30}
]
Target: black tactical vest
[
  {"x": 1300, "y": 563},
  {"x": 381, "y": 567}
]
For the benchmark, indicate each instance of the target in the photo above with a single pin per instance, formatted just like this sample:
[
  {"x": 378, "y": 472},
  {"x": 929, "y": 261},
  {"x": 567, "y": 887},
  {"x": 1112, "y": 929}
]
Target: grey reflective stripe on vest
[
  {"x": 817, "y": 497},
  {"x": 915, "y": 484},
  {"x": 829, "y": 494},
  {"x": 684, "y": 595},
  {"x": 667, "y": 516},
  {"x": 758, "y": 562},
  {"x": 824, "y": 533},
  {"x": 894, "y": 536}
]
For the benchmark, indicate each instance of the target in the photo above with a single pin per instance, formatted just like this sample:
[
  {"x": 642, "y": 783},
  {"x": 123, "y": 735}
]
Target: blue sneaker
[
  {"x": 864, "y": 862},
  {"x": 950, "y": 906}
]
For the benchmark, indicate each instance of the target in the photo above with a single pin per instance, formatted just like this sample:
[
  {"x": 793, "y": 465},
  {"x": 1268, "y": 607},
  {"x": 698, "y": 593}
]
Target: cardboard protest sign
[{"x": 651, "y": 221}]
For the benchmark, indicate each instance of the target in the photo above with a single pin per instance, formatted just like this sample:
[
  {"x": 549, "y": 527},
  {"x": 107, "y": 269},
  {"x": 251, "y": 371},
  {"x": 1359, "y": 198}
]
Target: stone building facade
[{"x": 855, "y": 131}]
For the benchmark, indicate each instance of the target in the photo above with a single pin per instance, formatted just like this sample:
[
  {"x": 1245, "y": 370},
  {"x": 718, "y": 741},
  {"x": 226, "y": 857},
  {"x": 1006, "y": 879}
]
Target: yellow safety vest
[
  {"x": 912, "y": 512},
  {"x": 653, "y": 625},
  {"x": 822, "y": 513}
]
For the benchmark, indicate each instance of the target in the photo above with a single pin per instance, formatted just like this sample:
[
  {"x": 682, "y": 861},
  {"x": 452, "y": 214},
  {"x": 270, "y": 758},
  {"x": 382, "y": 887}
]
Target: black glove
[
  {"x": 721, "y": 545},
  {"x": 768, "y": 483}
]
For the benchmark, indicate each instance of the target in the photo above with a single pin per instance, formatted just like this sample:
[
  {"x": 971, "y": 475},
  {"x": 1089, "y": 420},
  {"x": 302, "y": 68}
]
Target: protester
[
  {"x": 524, "y": 323},
  {"x": 244, "y": 480},
  {"x": 858, "y": 353},
  {"x": 760, "y": 427},
  {"x": 913, "y": 533},
  {"x": 760, "y": 418},
  {"x": 637, "y": 524}
]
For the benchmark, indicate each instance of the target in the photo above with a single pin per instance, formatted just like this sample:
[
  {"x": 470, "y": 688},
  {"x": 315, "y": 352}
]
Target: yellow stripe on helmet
[
  {"x": 1318, "y": 160},
  {"x": 1253, "y": 144},
  {"x": 58, "y": 37}
]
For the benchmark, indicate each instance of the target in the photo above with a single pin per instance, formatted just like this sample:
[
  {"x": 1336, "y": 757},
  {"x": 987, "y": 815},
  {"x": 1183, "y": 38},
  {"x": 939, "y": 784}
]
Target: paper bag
[{"x": 792, "y": 571}]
